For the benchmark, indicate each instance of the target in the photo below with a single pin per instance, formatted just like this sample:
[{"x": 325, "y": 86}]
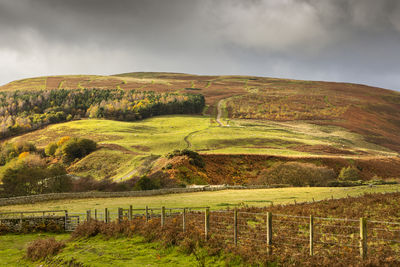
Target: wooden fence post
[
  {"x": 20, "y": 221},
  {"x": 311, "y": 235},
  {"x": 363, "y": 238},
  {"x": 184, "y": 220},
  {"x": 66, "y": 219},
  {"x": 130, "y": 215},
  {"x": 106, "y": 217},
  {"x": 147, "y": 213},
  {"x": 235, "y": 224},
  {"x": 162, "y": 216},
  {"x": 88, "y": 215},
  {"x": 95, "y": 214},
  {"x": 120, "y": 214},
  {"x": 206, "y": 223},
  {"x": 269, "y": 232}
]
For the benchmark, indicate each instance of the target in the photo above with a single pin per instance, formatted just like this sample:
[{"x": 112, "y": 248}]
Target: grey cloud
[
  {"x": 294, "y": 25},
  {"x": 354, "y": 40}
]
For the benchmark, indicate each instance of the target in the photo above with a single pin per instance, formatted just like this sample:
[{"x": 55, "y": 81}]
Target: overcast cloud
[{"x": 336, "y": 40}]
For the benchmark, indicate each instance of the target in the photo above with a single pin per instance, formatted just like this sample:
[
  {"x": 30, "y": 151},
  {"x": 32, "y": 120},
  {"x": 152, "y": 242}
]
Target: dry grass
[
  {"x": 216, "y": 200},
  {"x": 43, "y": 248}
]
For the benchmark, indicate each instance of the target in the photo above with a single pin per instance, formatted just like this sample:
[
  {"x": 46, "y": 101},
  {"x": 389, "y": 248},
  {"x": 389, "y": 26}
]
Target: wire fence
[{"x": 262, "y": 231}]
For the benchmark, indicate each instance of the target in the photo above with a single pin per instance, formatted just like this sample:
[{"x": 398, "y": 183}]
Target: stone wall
[{"x": 57, "y": 196}]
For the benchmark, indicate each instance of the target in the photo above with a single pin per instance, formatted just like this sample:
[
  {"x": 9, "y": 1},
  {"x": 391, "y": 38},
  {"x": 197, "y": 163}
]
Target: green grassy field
[
  {"x": 215, "y": 200},
  {"x": 13, "y": 248},
  {"x": 98, "y": 251},
  {"x": 127, "y": 145}
]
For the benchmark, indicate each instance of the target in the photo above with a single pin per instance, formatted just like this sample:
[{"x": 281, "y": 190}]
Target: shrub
[
  {"x": 168, "y": 166},
  {"x": 43, "y": 248},
  {"x": 23, "y": 155},
  {"x": 189, "y": 176},
  {"x": 349, "y": 174},
  {"x": 297, "y": 174},
  {"x": 163, "y": 180},
  {"x": 63, "y": 140},
  {"x": 9, "y": 151},
  {"x": 31, "y": 175},
  {"x": 50, "y": 149},
  {"x": 70, "y": 150},
  {"x": 87, "y": 146},
  {"x": 58, "y": 180},
  {"x": 88, "y": 229},
  {"x": 146, "y": 183},
  {"x": 76, "y": 148},
  {"x": 20, "y": 147},
  {"x": 195, "y": 158}
]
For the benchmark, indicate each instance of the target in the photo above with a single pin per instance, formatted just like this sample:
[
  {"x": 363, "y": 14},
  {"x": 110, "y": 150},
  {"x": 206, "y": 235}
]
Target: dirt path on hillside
[
  {"x": 186, "y": 138},
  {"x": 142, "y": 169},
  {"x": 219, "y": 109}
]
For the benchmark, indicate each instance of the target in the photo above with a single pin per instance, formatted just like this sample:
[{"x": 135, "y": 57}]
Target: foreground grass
[
  {"x": 216, "y": 199},
  {"x": 128, "y": 146},
  {"x": 13, "y": 248},
  {"x": 98, "y": 251}
]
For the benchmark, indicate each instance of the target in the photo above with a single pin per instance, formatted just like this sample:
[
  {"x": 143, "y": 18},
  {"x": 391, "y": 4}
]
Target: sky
[{"x": 332, "y": 40}]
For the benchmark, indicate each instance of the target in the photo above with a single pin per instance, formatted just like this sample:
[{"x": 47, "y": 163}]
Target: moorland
[
  {"x": 137, "y": 131},
  {"x": 254, "y": 125}
]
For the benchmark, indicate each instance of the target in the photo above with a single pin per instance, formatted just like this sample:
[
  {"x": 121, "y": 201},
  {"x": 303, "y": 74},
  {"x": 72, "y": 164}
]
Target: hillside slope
[
  {"x": 298, "y": 121},
  {"x": 135, "y": 148},
  {"x": 372, "y": 112}
]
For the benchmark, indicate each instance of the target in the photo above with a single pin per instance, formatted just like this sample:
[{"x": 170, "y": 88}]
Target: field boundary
[
  {"x": 80, "y": 195},
  {"x": 262, "y": 230}
]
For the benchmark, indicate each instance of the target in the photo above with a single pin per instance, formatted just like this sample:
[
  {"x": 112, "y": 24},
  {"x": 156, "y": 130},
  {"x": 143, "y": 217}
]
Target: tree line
[
  {"x": 27, "y": 170},
  {"x": 22, "y": 111}
]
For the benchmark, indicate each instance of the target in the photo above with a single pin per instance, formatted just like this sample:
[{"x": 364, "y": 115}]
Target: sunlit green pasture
[
  {"x": 215, "y": 200},
  {"x": 126, "y": 145}
]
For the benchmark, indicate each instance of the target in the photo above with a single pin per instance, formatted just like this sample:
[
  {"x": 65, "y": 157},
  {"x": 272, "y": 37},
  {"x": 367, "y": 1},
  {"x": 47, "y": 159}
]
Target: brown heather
[
  {"x": 43, "y": 248},
  {"x": 252, "y": 248}
]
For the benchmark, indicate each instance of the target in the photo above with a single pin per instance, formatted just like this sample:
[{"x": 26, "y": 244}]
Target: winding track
[{"x": 219, "y": 109}]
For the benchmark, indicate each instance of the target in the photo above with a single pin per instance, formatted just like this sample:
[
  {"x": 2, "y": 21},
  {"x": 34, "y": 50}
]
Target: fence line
[{"x": 317, "y": 235}]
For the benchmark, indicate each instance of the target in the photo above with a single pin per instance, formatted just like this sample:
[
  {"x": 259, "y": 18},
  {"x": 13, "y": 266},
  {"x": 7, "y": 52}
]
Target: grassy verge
[
  {"x": 135, "y": 251},
  {"x": 216, "y": 200},
  {"x": 13, "y": 248},
  {"x": 99, "y": 251}
]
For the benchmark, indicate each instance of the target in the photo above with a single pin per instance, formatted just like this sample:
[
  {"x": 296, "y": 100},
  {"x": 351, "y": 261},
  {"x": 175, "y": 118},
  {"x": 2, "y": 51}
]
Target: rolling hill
[{"x": 288, "y": 119}]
